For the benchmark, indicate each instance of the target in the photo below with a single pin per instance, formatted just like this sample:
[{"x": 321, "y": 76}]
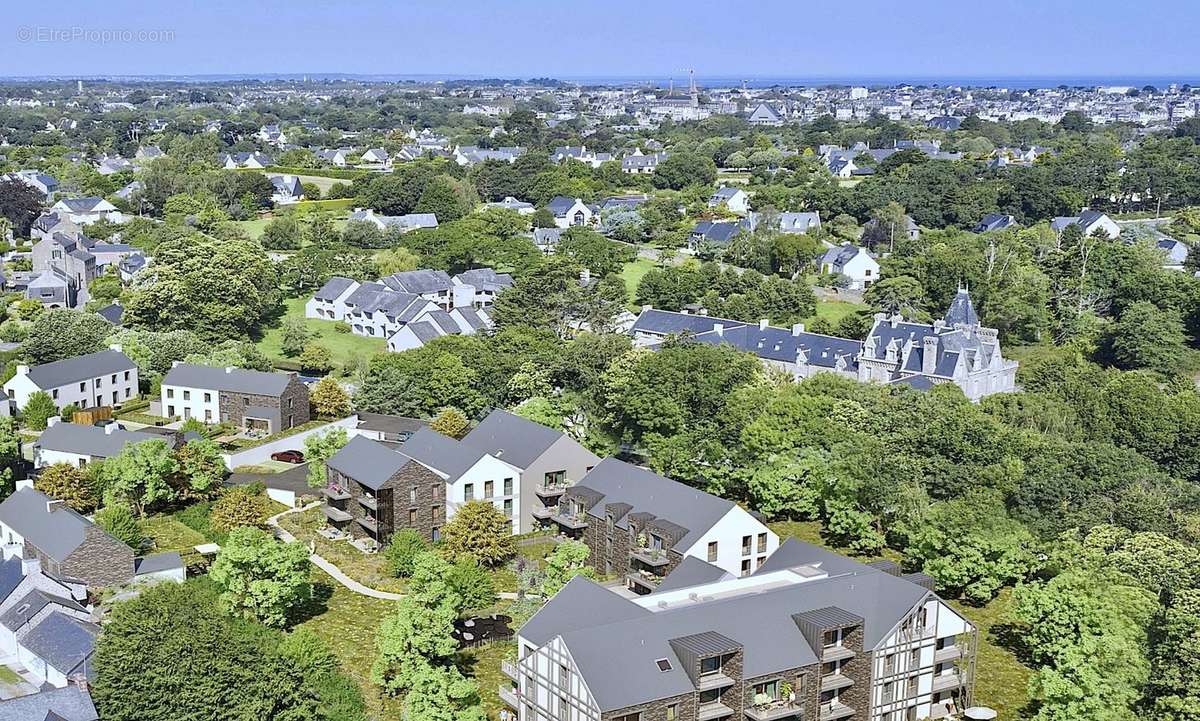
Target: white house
[
  {"x": 1089, "y": 221},
  {"x": 570, "y": 212},
  {"x": 735, "y": 200},
  {"x": 105, "y": 378},
  {"x": 329, "y": 303},
  {"x": 78, "y": 445},
  {"x": 853, "y": 262},
  {"x": 85, "y": 211},
  {"x": 511, "y": 203},
  {"x": 287, "y": 189}
]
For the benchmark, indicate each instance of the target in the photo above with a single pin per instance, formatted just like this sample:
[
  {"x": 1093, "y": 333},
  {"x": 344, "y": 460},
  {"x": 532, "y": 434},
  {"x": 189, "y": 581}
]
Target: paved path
[{"x": 328, "y": 567}]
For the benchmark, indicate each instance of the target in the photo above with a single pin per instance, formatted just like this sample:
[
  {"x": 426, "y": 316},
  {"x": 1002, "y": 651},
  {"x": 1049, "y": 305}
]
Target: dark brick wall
[
  {"x": 292, "y": 402},
  {"x": 615, "y": 548},
  {"x": 100, "y": 560},
  {"x": 394, "y": 501},
  {"x": 657, "y": 710}
]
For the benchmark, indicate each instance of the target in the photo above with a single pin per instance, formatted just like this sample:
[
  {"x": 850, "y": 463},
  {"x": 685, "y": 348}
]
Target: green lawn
[
  {"x": 483, "y": 664},
  {"x": 254, "y": 228},
  {"x": 169, "y": 534},
  {"x": 343, "y": 346},
  {"x": 632, "y": 274},
  {"x": 1001, "y": 680},
  {"x": 835, "y": 310},
  {"x": 369, "y": 570}
]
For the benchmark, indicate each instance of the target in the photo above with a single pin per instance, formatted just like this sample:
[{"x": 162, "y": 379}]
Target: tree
[
  {"x": 329, "y": 399},
  {"x": 566, "y": 561},
  {"x": 790, "y": 487},
  {"x": 1146, "y": 337},
  {"x": 682, "y": 169},
  {"x": 473, "y": 583},
  {"x": 120, "y": 523},
  {"x": 451, "y": 422},
  {"x": 69, "y": 484},
  {"x": 480, "y": 530},
  {"x": 38, "y": 410},
  {"x": 402, "y": 551},
  {"x": 419, "y": 382},
  {"x": 319, "y": 448},
  {"x": 139, "y": 475},
  {"x": 362, "y": 234},
  {"x": 294, "y": 337},
  {"x": 419, "y": 634},
  {"x": 282, "y": 233},
  {"x": 902, "y": 294},
  {"x": 261, "y": 578},
  {"x": 239, "y": 507},
  {"x": 448, "y": 198},
  {"x": 591, "y": 250},
  {"x": 316, "y": 358},
  {"x": 63, "y": 333},
  {"x": 201, "y": 467},
  {"x": 395, "y": 260},
  {"x": 21, "y": 204}
]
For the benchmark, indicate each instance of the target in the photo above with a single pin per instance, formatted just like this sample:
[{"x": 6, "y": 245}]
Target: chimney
[
  {"x": 110, "y": 428},
  {"x": 30, "y": 566},
  {"x": 704, "y": 311},
  {"x": 719, "y": 329},
  {"x": 176, "y": 364},
  {"x": 585, "y": 275},
  {"x": 115, "y": 346},
  {"x": 880, "y": 317},
  {"x": 24, "y": 483},
  {"x": 647, "y": 307},
  {"x": 797, "y": 328},
  {"x": 53, "y": 421},
  {"x": 929, "y": 354},
  {"x": 762, "y": 324},
  {"x": 939, "y": 324},
  {"x": 22, "y": 369},
  {"x": 894, "y": 320}
]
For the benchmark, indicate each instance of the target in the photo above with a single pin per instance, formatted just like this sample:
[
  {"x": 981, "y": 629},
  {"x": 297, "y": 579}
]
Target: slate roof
[
  {"x": 55, "y": 533},
  {"x": 11, "y": 574},
  {"x": 441, "y": 453},
  {"x": 418, "y": 282},
  {"x": 368, "y": 462},
  {"x": 90, "y": 440},
  {"x": 546, "y": 236},
  {"x": 692, "y": 510},
  {"x": 560, "y": 204},
  {"x": 485, "y": 279},
  {"x": 154, "y": 563},
  {"x": 69, "y": 703},
  {"x": 84, "y": 367},
  {"x": 1177, "y": 252},
  {"x": 692, "y": 571},
  {"x": 579, "y": 599},
  {"x": 665, "y": 322},
  {"x": 113, "y": 312},
  {"x": 511, "y": 438},
  {"x": 798, "y": 222},
  {"x": 31, "y": 604},
  {"x": 472, "y": 317},
  {"x": 81, "y": 205},
  {"x": 720, "y": 232},
  {"x": 333, "y": 288},
  {"x": 425, "y": 331},
  {"x": 961, "y": 310},
  {"x": 64, "y": 642},
  {"x": 781, "y": 344},
  {"x": 237, "y": 380},
  {"x": 838, "y": 257},
  {"x": 994, "y": 221}
]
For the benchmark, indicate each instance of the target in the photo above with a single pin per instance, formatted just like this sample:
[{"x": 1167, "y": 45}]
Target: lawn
[
  {"x": 343, "y": 346},
  {"x": 168, "y": 533},
  {"x": 370, "y": 570},
  {"x": 483, "y": 664},
  {"x": 835, "y": 310},
  {"x": 254, "y": 228},
  {"x": 632, "y": 274},
  {"x": 348, "y": 622},
  {"x": 1001, "y": 680}
]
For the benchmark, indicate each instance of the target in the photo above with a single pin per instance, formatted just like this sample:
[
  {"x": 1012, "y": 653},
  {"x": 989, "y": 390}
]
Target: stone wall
[{"x": 100, "y": 560}]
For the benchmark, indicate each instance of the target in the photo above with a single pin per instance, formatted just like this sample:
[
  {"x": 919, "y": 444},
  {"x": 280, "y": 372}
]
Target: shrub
[
  {"x": 400, "y": 553},
  {"x": 119, "y": 521}
]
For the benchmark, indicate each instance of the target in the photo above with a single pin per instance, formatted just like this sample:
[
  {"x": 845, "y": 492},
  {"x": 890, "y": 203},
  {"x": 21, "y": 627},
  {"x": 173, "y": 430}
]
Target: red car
[{"x": 288, "y": 456}]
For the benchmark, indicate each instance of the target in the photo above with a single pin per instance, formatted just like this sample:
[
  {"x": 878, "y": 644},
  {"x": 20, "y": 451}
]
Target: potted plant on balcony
[
  {"x": 786, "y": 692},
  {"x": 761, "y": 700}
]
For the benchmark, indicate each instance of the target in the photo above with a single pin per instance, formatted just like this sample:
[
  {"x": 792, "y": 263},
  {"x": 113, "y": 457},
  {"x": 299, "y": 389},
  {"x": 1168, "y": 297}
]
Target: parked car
[{"x": 288, "y": 456}]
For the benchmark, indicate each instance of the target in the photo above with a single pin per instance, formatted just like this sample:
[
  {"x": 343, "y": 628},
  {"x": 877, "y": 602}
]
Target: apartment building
[
  {"x": 272, "y": 402},
  {"x": 641, "y": 526},
  {"x": 104, "y": 378},
  {"x": 809, "y": 635}
]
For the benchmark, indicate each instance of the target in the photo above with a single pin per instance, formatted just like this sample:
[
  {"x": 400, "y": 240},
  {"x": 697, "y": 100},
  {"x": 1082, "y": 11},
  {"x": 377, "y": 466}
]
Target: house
[
  {"x": 853, "y": 262},
  {"x": 799, "y": 223},
  {"x": 624, "y": 202},
  {"x": 641, "y": 164},
  {"x": 1176, "y": 253},
  {"x": 520, "y": 207},
  {"x": 581, "y": 154},
  {"x": 69, "y": 703},
  {"x": 148, "y": 152},
  {"x": 77, "y": 445},
  {"x": 329, "y": 302},
  {"x": 377, "y": 155},
  {"x": 944, "y": 122},
  {"x": 67, "y": 263},
  {"x": 473, "y": 155},
  {"x": 765, "y": 114},
  {"x": 286, "y": 189},
  {"x": 809, "y": 635},
  {"x": 548, "y": 461},
  {"x": 719, "y": 233},
  {"x": 841, "y": 167},
  {"x": 374, "y": 490},
  {"x": 404, "y": 223},
  {"x": 272, "y": 402},
  {"x": 335, "y": 157},
  {"x": 50, "y": 223},
  {"x": 907, "y": 228},
  {"x": 570, "y": 212},
  {"x": 994, "y": 221},
  {"x": 107, "y": 377},
  {"x": 112, "y": 166},
  {"x": 245, "y": 160},
  {"x": 374, "y": 309},
  {"x": 126, "y": 193},
  {"x": 640, "y": 525},
  {"x": 44, "y": 184},
  {"x": 64, "y": 544},
  {"x": 485, "y": 285},
  {"x": 85, "y": 211},
  {"x": 272, "y": 134},
  {"x": 1089, "y": 221},
  {"x": 433, "y": 324},
  {"x": 953, "y": 349},
  {"x": 735, "y": 200},
  {"x": 382, "y": 427},
  {"x": 546, "y": 239}
]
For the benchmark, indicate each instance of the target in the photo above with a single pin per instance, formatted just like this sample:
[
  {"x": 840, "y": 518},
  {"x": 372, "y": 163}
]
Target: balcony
[
  {"x": 571, "y": 521},
  {"x": 835, "y": 710},
  {"x": 774, "y": 710},
  {"x": 645, "y": 580},
  {"x": 946, "y": 681},
  {"x": 368, "y": 523},
  {"x": 336, "y": 493},
  {"x": 369, "y": 502},
  {"x": 653, "y": 557},
  {"x": 712, "y": 710},
  {"x": 834, "y": 681},
  {"x": 836, "y": 653},
  {"x": 509, "y": 668},
  {"x": 336, "y": 515},
  {"x": 510, "y": 696},
  {"x": 550, "y": 490},
  {"x": 544, "y": 512},
  {"x": 709, "y": 681},
  {"x": 949, "y": 653}
]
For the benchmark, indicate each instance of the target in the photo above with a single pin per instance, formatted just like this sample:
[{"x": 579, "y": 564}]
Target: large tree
[
  {"x": 63, "y": 333},
  {"x": 139, "y": 475},
  {"x": 480, "y": 530},
  {"x": 20, "y": 204},
  {"x": 261, "y": 578}
]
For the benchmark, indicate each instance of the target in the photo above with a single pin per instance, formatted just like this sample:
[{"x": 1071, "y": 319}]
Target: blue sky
[{"x": 651, "y": 38}]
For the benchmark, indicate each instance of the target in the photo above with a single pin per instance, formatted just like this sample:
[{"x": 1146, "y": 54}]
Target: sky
[{"x": 611, "y": 38}]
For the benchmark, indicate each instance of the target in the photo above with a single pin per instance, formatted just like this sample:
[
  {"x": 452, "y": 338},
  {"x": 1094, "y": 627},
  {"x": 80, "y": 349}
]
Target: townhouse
[
  {"x": 78, "y": 445},
  {"x": 809, "y": 635},
  {"x": 107, "y": 377},
  {"x": 640, "y": 526},
  {"x": 270, "y": 402}
]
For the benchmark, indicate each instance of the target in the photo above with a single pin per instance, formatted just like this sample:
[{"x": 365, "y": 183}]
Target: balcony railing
[
  {"x": 709, "y": 681},
  {"x": 370, "y": 502},
  {"x": 368, "y": 523},
  {"x": 336, "y": 493},
  {"x": 836, "y": 652},
  {"x": 949, "y": 653},
  {"x": 774, "y": 710},
  {"x": 510, "y": 696},
  {"x": 712, "y": 710},
  {"x": 946, "y": 681},
  {"x": 335, "y": 514},
  {"x": 509, "y": 668},
  {"x": 650, "y": 556},
  {"x": 550, "y": 490},
  {"x": 570, "y": 520},
  {"x": 834, "y": 681},
  {"x": 646, "y": 579},
  {"x": 835, "y": 710},
  {"x": 544, "y": 512}
]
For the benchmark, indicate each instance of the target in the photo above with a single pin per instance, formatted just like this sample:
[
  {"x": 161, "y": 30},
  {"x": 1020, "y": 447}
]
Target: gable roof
[
  {"x": 70, "y": 703},
  {"x": 84, "y": 367},
  {"x": 368, "y": 462},
  {"x": 578, "y": 599},
  {"x": 441, "y": 453},
  {"x": 56, "y": 533},
  {"x": 692, "y": 571},
  {"x": 90, "y": 440},
  {"x": 961, "y": 310},
  {"x": 418, "y": 281},
  {"x": 511, "y": 438},
  {"x": 236, "y": 380},
  {"x": 333, "y": 288},
  {"x": 64, "y": 642}
]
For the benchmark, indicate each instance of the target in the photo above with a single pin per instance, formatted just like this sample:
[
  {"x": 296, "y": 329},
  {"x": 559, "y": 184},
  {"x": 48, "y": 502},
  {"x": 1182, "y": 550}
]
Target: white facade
[
  {"x": 188, "y": 402},
  {"x": 862, "y": 269},
  {"x": 577, "y": 214},
  {"x": 100, "y": 390},
  {"x": 730, "y": 535},
  {"x": 330, "y": 309},
  {"x": 490, "y": 479}
]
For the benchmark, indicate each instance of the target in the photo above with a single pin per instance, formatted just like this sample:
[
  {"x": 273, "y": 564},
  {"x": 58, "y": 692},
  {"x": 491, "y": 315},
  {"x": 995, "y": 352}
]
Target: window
[
  {"x": 508, "y": 507},
  {"x": 207, "y": 412},
  {"x": 746, "y": 545},
  {"x": 113, "y": 380},
  {"x": 762, "y": 543},
  {"x": 564, "y": 710},
  {"x": 629, "y": 717},
  {"x": 54, "y": 393},
  {"x": 508, "y": 486},
  {"x": 412, "y": 518},
  {"x": 672, "y": 712},
  {"x": 412, "y": 494},
  {"x": 712, "y": 551},
  {"x": 833, "y": 638},
  {"x": 187, "y": 395},
  {"x": 83, "y": 386},
  {"x": 208, "y": 397},
  {"x": 170, "y": 393},
  {"x": 555, "y": 478},
  {"x": 712, "y": 664},
  {"x": 127, "y": 392},
  {"x": 564, "y": 674},
  {"x": 664, "y": 664},
  {"x": 126, "y": 375},
  {"x": 710, "y": 696},
  {"x": 469, "y": 491},
  {"x": 770, "y": 689},
  {"x": 99, "y": 382},
  {"x": 761, "y": 561},
  {"x": 489, "y": 489},
  {"x": 889, "y": 692},
  {"x": 116, "y": 397},
  {"x": 746, "y": 567}
]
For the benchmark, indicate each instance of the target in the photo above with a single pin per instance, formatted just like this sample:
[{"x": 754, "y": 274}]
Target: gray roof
[
  {"x": 236, "y": 380},
  {"x": 689, "y": 508},
  {"x": 692, "y": 571},
  {"x": 511, "y": 438},
  {"x": 368, "y": 462},
  {"x": 389, "y": 424},
  {"x": 418, "y": 281},
  {"x": 472, "y": 317},
  {"x": 781, "y": 344},
  {"x": 546, "y": 236},
  {"x": 70, "y": 703},
  {"x": 485, "y": 278},
  {"x": 56, "y": 533},
  {"x": 11, "y": 574},
  {"x": 64, "y": 642},
  {"x": 839, "y": 256},
  {"x": 441, "y": 453},
  {"x": 578, "y": 600},
  {"x": 560, "y": 204},
  {"x": 961, "y": 311},
  {"x": 333, "y": 288},
  {"x": 166, "y": 561},
  {"x": 91, "y": 440},
  {"x": 665, "y": 322},
  {"x": 31, "y": 604},
  {"x": 84, "y": 367}
]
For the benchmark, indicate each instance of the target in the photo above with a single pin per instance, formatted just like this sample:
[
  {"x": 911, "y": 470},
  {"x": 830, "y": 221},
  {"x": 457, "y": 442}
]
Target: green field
[
  {"x": 835, "y": 310},
  {"x": 632, "y": 273},
  {"x": 343, "y": 346},
  {"x": 170, "y": 534}
]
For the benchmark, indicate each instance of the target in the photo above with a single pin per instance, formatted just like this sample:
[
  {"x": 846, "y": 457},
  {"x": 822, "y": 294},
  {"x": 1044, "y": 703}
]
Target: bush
[
  {"x": 69, "y": 484},
  {"x": 38, "y": 410},
  {"x": 119, "y": 521},
  {"x": 400, "y": 553},
  {"x": 238, "y": 508},
  {"x": 479, "y": 530}
]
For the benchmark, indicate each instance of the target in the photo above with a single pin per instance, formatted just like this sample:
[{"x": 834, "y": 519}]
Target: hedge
[{"x": 315, "y": 206}]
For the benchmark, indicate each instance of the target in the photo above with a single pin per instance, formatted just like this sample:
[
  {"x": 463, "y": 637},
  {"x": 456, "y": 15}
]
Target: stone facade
[
  {"x": 99, "y": 561},
  {"x": 291, "y": 406},
  {"x": 414, "y": 497},
  {"x": 611, "y": 546}
]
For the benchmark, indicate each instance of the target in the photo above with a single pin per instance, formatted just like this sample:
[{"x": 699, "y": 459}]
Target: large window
[
  {"x": 770, "y": 689},
  {"x": 469, "y": 491},
  {"x": 712, "y": 664},
  {"x": 762, "y": 543},
  {"x": 489, "y": 489}
]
